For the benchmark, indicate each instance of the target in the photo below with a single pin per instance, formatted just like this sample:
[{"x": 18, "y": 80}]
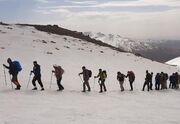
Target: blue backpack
[{"x": 18, "y": 65}]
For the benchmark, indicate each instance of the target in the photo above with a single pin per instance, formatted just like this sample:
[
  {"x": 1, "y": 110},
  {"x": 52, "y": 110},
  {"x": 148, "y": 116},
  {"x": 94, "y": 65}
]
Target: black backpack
[
  {"x": 90, "y": 73},
  {"x": 121, "y": 77}
]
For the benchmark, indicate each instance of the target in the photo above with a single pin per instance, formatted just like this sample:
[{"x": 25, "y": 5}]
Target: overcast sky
[{"x": 140, "y": 19}]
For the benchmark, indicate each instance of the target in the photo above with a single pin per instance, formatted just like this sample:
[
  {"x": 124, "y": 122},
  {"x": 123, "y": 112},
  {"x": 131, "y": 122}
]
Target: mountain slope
[{"x": 27, "y": 44}]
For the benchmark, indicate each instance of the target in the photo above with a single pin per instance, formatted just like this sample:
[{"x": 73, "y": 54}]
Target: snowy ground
[{"x": 71, "y": 106}]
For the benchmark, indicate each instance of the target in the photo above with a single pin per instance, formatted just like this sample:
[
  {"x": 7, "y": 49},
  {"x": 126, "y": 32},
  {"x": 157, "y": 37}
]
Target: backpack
[
  {"x": 18, "y": 65},
  {"x": 121, "y": 77},
  {"x": 60, "y": 70},
  {"x": 104, "y": 74},
  {"x": 89, "y": 73},
  {"x": 132, "y": 75}
]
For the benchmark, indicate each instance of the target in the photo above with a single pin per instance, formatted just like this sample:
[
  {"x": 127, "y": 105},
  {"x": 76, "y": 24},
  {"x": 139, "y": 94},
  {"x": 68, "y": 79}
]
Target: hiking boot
[
  {"x": 35, "y": 88},
  {"x": 60, "y": 89},
  {"x": 18, "y": 87},
  {"x": 89, "y": 90},
  {"x": 83, "y": 91},
  {"x": 42, "y": 89},
  {"x": 100, "y": 91}
]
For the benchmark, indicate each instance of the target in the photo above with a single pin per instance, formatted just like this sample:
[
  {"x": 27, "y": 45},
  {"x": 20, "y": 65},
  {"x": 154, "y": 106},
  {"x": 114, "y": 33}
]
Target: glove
[
  {"x": 31, "y": 72},
  {"x": 4, "y": 65}
]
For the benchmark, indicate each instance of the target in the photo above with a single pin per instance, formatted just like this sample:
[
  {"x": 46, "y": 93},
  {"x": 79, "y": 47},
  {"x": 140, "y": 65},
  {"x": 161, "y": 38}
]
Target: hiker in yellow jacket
[{"x": 102, "y": 75}]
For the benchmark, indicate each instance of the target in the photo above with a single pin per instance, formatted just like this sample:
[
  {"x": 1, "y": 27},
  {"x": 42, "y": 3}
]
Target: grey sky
[{"x": 141, "y": 19}]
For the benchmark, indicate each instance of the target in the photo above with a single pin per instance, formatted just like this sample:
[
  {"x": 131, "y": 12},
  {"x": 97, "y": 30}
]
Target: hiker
[
  {"x": 58, "y": 73},
  {"x": 120, "y": 78},
  {"x": 102, "y": 77},
  {"x": 177, "y": 80},
  {"x": 86, "y": 76},
  {"x": 37, "y": 76},
  {"x": 161, "y": 80},
  {"x": 131, "y": 76},
  {"x": 147, "y": 81},
  {"x": 150, "y": 82},
  {"x": 157, "y": 81},
  {"x": 172, "y": 80},
  {"x": 13, "y": 70}
]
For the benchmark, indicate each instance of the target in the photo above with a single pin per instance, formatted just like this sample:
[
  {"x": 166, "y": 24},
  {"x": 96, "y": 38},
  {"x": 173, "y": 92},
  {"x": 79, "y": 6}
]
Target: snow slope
[
  {"x": 71, "y": 106},
  {"x": 175, "y": 61},
  {"x": 119, "y": 41}
]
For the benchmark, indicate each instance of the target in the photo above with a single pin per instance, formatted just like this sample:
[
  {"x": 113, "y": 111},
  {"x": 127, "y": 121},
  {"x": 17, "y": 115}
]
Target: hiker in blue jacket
[{"x": 14, "y": 72}]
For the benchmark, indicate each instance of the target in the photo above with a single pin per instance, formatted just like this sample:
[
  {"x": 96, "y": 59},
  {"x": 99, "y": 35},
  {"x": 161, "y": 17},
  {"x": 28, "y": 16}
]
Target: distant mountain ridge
[
  {"x": 157, "y": 50},
  {"x": 120, "y": 42}
]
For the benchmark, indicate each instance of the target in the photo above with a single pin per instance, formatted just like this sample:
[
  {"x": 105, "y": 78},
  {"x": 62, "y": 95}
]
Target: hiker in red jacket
[
  {"x": 131, "y": 76},
  {"x": 58, "y": 73}
]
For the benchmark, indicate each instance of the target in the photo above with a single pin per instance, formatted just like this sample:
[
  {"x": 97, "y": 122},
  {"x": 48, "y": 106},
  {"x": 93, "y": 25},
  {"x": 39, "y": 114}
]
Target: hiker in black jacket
[
  {"x": 37, "y": 76},
  {"x": 157, "y": 81},
  {"x": 177, "y": 80},
  {"x": 150, "y": 82},
  {"x": 86, "y": 77},
  {"x": 14, "y": 72},
  {"x": 120, "y": 78}
]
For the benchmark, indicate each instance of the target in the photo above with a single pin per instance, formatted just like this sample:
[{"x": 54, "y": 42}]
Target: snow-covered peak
[
  {"x": 119, "y": 41},
  {"x": 175, "y": 62}
]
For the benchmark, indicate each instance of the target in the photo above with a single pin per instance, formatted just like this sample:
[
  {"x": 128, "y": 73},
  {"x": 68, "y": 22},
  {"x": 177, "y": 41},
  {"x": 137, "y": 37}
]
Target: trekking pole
[
  {"x": 94, "y": 83},
  {"x": 5, "y": 77},
  {"x": 51, "y": 80},
  {"x": 28, "y": 81},
  {"x": 11, "y": 81},
  {"x": 80, "y": 78}
]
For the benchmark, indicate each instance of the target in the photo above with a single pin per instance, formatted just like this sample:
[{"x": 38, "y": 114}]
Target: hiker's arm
[
  {"x": 80, "y": 73},
  {"x": 96, "y": 76},
  {"x": 6, "y": 66}
]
